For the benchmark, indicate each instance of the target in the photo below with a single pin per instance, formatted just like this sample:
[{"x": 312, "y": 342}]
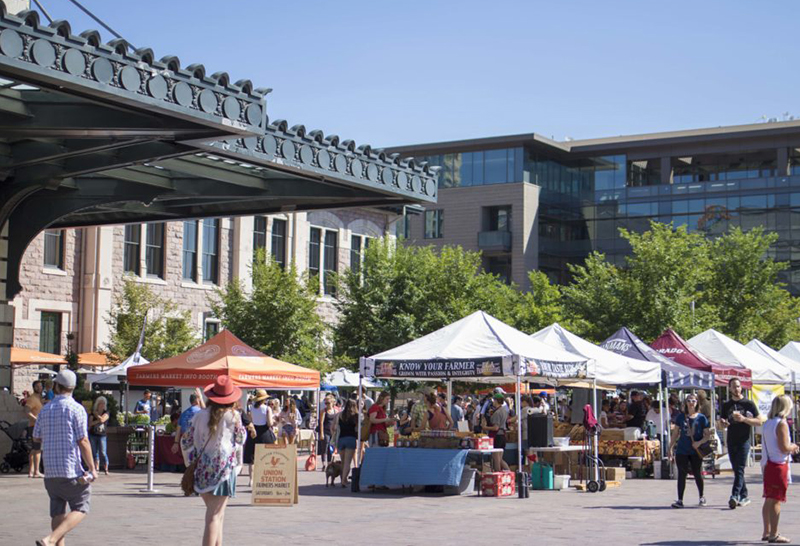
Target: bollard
[{"x": 355, "y": 476}]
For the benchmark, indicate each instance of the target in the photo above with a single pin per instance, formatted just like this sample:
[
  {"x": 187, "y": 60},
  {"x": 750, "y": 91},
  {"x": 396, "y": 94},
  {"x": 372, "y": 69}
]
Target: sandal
[{"x": 779, "y": 539}]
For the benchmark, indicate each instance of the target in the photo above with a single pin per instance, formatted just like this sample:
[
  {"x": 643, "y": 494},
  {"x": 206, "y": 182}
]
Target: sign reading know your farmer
[
  {"x": 483, "y": 367},
  {"x": 275, "y": 475}
]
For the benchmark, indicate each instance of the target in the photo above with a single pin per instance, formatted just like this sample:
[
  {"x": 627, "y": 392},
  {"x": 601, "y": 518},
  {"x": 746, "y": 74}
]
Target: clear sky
[{"x": 415, "y": 71}]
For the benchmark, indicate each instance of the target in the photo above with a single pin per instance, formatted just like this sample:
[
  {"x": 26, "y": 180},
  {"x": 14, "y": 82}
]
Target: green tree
[
  {"x": 541, "y": 306},
  {"x": 745, "y": 292},
  {"x": 168, "y": 332},
  {"x": 278, "y": 317},
  {"x": 404, "y": 292}
]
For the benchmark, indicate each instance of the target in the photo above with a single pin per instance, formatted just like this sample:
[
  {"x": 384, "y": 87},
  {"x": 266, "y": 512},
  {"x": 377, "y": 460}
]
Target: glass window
[
  {"x": 697, "y": 205},
  {"x": 54, "y": 248},
  {"x": 495, "y": 166},
  {"x": 355, "y": 253},
  {"x": 133, "y": 239},
  {"x": 259, "y": 234},
  {"x": 446, "y": 179},
  {"x": 640, "y": 209},
  {"x": 190, "y": 250},
  {"x": 154, "y": 250},
  {"x": 754, "y": 201},
  {"x": 211, "y": 250},
  {"x": 500, "y": 218},
  {"x": 331, "y": 262},
  {"x": 434, "y": 224},
  {"x": 210, "y": 327},
  {"x": 279, "y": 242},
  {"x": 50, "y": 333},
  {"x": 465, "y": 169},
  {"x": 314, "y": 251},
  {"x": 478, "y": 168}
]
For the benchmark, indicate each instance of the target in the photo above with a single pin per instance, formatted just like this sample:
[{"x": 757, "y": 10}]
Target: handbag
[
  {"x": 365, "y": 426},
  {"x": 706, "y": 447},
  {"x": 383, "y": 438},
  {"x": 187, "y": 482}
]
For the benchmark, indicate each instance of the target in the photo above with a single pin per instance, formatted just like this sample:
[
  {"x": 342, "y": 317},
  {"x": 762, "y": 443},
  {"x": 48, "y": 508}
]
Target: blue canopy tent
[{"x": 675, "y": 376}]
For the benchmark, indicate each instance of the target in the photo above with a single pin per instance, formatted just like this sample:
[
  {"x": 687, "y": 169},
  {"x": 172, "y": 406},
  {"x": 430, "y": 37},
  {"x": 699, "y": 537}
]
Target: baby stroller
[
  {"x": 17, "y": 458},
  {"x": 592, "y": 459}
]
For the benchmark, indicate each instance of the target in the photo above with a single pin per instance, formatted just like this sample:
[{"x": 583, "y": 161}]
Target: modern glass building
[{"x": 530, "y": 202}]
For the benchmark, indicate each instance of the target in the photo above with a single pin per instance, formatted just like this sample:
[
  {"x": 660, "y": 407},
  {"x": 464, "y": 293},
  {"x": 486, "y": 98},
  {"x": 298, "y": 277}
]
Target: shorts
[
  {"x": 63, "y": 491},
  {"x": 500, "y": 441},
  {"x": 776, "y": 481},
  {"x": 288, "y": 430},
  {"x": 36, "y": 446},
  {"x": 347, "y": 442}
]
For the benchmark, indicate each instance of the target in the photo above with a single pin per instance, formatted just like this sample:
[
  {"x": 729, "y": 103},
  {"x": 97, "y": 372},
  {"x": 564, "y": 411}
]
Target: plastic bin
[
  {"x": 561, "y": 481},
  {"x": 541, "y": 476}
]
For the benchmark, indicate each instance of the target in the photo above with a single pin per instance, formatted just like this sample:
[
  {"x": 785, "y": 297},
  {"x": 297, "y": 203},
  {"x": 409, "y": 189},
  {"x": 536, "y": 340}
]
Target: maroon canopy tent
[{"x": 673, "y": 346}]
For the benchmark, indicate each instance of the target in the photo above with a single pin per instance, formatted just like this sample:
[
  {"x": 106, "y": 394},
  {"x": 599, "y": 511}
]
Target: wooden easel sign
[{"x": 275, "y": 475}]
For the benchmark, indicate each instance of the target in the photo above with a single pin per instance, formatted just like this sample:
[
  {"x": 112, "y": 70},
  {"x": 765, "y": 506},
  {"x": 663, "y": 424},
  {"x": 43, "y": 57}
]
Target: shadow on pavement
[{"x": 703, "y": 542}]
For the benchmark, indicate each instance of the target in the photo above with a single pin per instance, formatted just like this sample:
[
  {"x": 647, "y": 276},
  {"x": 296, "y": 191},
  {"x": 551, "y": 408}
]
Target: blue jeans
[
  {"x": 738, "y": 456},
  {"x": 99, "y": 448}
]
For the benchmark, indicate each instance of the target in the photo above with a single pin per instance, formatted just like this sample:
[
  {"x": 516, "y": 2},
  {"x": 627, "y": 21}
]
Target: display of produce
[
  {"x": 444, "y": 439},
  {"x": 498, "y": 484}
]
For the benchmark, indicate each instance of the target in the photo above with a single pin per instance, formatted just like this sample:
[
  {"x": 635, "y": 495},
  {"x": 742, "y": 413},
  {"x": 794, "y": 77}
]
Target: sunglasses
[{"x": 693, "y": 400}]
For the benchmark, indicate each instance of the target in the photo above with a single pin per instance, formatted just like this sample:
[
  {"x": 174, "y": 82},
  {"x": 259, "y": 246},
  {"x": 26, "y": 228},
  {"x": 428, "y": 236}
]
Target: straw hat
[
  {"x": 260, "y": 395},
  {"x": 223, "y": 391}
]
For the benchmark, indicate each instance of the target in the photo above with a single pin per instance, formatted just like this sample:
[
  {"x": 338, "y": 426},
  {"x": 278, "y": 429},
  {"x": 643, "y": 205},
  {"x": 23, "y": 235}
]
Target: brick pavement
[{"x": 636, "y": 513}]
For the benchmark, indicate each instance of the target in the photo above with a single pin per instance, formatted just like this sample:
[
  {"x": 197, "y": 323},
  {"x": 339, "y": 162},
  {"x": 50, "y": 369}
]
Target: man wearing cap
[
  {"x": 195, "y": 404},
  {"x": 61, "y": 427}
]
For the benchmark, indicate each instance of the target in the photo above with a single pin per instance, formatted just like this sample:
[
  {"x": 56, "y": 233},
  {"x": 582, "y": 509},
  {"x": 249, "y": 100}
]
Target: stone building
[{"x": 71, "y": 276}]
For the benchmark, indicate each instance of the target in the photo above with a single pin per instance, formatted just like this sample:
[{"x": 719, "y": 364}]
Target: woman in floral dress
[{"x": 215, "y": 438}]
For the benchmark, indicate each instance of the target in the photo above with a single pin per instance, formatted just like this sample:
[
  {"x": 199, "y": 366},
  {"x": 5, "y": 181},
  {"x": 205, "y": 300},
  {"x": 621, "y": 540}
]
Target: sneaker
[
  {"x": 677, "y": 504},
  {"x": 733, "y": 503},
  {"x": 744, "y": 502},
  {"x": 703, "y": 501}
]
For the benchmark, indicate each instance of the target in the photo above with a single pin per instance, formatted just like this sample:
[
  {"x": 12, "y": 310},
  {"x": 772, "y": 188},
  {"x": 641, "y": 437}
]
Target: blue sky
[{"x": 406, "y": 72}]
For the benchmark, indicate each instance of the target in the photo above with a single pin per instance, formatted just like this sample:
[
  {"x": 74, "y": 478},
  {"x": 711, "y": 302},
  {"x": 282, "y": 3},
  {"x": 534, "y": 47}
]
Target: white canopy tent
[
  {"x": 721, "y": 348},
  {"x": 477, "y": 348},
  {"x": 605, "y": 367},
  {"x": 344, "y": 378},
  {"x": 119, "y": 372},
  {"x": 792, "y": 365},
  {"x": 791, "y": 350}
]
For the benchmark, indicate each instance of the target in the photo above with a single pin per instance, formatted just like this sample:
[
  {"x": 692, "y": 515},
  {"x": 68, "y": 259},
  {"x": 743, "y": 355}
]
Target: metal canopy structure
[{"x": 94, "y": 134}]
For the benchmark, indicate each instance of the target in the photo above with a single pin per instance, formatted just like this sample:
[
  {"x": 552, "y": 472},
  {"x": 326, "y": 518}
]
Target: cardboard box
[
  {"x": 615, "y": 474},
  {"x": 498, "y": 484},
  {"x": 483, "y": 443}
]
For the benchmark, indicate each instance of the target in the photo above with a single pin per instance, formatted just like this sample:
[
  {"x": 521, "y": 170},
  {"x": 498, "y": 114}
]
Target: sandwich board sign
[{"x": 275, "y": 475}]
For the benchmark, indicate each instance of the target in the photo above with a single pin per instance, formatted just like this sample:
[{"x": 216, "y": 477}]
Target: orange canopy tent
[
  {"x": 22, "y": 357},
  {"x": 224, "y": 354},
  {"x": 91, "y": 360},
  {"x": 511, "y": 388}
]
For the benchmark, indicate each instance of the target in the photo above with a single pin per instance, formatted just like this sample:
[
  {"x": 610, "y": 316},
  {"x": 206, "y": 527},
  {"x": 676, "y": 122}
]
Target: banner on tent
[
  {"x": 762, "y": 395},
  {"x": 420, "y": 369},
  {"x": 558, "y": 370}
]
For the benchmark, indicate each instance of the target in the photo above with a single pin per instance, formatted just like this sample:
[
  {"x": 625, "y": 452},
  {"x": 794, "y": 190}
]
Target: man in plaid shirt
[{"x": 61, "y": 427}]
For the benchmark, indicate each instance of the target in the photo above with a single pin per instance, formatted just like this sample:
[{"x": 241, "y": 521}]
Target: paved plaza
[{"x": 636, "y": 513}]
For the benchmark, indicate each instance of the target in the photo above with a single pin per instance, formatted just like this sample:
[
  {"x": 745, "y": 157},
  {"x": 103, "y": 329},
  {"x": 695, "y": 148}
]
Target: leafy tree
[
  {"x": 278, "y": 317},
  {"x": 404, "y": 292},
  {"x": 745, "y": 292},
  {"x": 541, "y": 306},
  {"x": 168, "y": 332}
]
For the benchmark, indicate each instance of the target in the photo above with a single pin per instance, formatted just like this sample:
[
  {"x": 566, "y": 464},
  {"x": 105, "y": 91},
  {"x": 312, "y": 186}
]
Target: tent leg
[
  {"x": 317, "y": 403},
  {"x": 596, "y": 471},
  {"x": 151, "y": 436},
  {"x": 449, "y": 407},
  {"x": 360, "y": 418},
  {"x": 518, "y": 409},
  {"x": 661, "y": 415}
]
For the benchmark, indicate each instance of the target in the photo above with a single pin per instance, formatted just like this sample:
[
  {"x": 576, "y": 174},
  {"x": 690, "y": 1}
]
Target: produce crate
[
  {"x": 498, "y": 484},
  {"x": 483, "y": 443}
]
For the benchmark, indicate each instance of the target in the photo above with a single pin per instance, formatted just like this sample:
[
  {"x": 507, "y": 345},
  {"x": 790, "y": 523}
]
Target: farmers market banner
[
  {"x": 446, "y": 369},
  {"x": 558, "y": 370},
  {"x": 762, "y": 396}
]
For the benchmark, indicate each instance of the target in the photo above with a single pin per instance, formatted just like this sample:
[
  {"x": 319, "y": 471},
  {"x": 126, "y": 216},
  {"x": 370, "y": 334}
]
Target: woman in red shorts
[{"x": 777, "y": 450}]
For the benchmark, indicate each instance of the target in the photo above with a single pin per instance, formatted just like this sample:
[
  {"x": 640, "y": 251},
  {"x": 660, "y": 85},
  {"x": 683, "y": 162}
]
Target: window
[
  {"x": 211, "y": 250},
  {"x": 50, "y": 333},
  {"x": 314, "y": 251},
  {"x": 500, "y": 218},
  {"x": 403, "y": 227},
  {"x": 259, "y": 234},
  {"x": 154, "y": 250},
  {"x": 279, "y": 242},
  {"x": 358, "y": 244},
  {"x": 133, "y": 240},
  {"x": 434, "y": 224},
  {"x": 210, "y": 326},
  {"x": 54, "y": 248},
  {"x": 331, "y": 260},
  {"x": 190, "y": 250},
  {"x": 500, "y": 266}
]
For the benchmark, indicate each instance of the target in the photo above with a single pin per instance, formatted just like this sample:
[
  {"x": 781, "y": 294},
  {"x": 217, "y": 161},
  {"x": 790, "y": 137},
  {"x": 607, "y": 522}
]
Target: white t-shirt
[
  {"x": 259, "y": 415},
  {"x": 655, "y": 417},
  {"x": 604, "y": 419}
]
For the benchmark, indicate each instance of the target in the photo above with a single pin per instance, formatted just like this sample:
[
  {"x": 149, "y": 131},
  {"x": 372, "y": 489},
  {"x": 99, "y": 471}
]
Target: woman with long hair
[
  {"x": 347, "y": 428},
  {"x": 328, "y": 421},
  {"x": 261, "y": 417},
  {"x": 378, "y": 430},
  {"x": 436, "y": 417},
  {"x": 215, "y": 439},
  {"x": 777, "y": 450},
  {"x": 691, "y": 425},
  {"x": 289, "y": 421},
  {"x": 98, "y": 421}
]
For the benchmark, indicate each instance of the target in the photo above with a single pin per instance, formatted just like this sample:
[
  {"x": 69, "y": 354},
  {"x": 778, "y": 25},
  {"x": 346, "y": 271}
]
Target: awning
[
  {"x": 92, "y": 360},
  {"x": 723, "y": 349},
  {"x": 762, "y": 348},
  {"x": 224, "y": 354},
  {"x": 23, "y": 357}
]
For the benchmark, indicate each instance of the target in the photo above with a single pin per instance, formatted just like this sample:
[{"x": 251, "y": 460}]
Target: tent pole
[
  {"x": 320, "y": 436},
  {"x": 518, "y": 409},
  {"x": 360, "y": 419},
  {"x": 661, "y": 416},
  {"x": 595, "y": 436},
  {"x": 449, "y": 407},
  {"x": 151, "y": 437}
]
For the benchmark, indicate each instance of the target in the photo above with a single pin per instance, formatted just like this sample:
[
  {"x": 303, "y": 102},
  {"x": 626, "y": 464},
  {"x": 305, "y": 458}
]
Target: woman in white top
[
  {"x": 262, "y": 419},
  {"x": 289, "y": 421},
  {"x": 776, "y": 453},
  {"x": 654, "y": 415}
]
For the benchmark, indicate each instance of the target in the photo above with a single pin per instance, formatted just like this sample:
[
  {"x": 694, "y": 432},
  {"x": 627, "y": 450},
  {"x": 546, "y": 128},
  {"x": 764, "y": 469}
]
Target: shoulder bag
[{"x": 187, "y": 482}]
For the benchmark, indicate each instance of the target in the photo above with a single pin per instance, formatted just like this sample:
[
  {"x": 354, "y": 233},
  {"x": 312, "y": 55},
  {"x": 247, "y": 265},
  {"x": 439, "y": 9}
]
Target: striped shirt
[{"x": 61, "y": 425}]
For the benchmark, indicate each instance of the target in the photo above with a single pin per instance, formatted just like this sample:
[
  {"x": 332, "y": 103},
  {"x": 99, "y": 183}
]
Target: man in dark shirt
[
  {"x": 739, "y": 416},
  {"x": 636, "y": 411}
]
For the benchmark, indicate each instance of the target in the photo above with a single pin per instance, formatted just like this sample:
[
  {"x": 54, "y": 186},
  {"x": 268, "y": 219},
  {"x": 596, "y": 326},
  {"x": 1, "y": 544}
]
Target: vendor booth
[
  {"x": 721, "y": 348},
  {"x": 673, "y": 346},
  {"x": 223, "y": 354},
  {"x": 477, "y": 348}
]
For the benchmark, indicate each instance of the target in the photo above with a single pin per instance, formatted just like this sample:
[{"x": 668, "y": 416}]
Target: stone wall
[{"x": 12, "y": 412}]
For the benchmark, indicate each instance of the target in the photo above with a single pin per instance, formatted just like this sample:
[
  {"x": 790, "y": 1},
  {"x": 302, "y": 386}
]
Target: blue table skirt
[{"x": 401, "y": 466}]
